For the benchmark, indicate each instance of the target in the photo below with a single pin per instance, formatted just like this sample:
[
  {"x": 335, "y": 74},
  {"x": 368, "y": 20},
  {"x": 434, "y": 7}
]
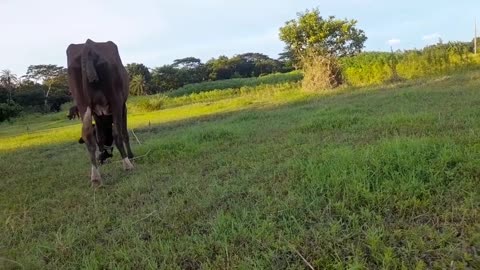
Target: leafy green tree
[
  {"x": 8, "y": 80},
  {"x": 187, "y": 63},
  {"x": 9, "y": 110},
  {"x": 317, "y": 43},
  {"x": 220, "y": 68},
  {"x": 30, "y": 94},
  {"x": 190, "y": 70},
  {"x": 287, "y": 60},
  {"x": 325, "y": 36},
  {"x": 4, "y": 95},
  {"x": 137, "y": 85},
  {"x": 49, "y": 75},
  {"x": 166, "y": 78},
  {"x": 134, "y": 69},
  {"x": 263, "y": 65}
]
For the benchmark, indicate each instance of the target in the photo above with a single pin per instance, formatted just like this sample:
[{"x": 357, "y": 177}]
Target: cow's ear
[{"x": 81, "y": 141}]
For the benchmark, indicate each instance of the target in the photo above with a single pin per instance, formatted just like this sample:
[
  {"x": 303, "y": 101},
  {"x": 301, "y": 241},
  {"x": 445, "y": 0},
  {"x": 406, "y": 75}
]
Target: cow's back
[{"x": 114, "y": 80}]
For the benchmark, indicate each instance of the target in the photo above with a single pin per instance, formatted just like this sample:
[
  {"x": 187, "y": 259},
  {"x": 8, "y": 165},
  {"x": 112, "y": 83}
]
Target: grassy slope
[
  {"x": 276, "y": 78},
  {"x": 371, "y": 178}
]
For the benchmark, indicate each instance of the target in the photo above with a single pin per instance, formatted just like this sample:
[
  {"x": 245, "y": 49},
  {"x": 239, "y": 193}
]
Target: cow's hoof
[
  {"x": 95, "y": 177},
  {"x": 127, "y": 165},
  {"x": 96, "y": 184}
]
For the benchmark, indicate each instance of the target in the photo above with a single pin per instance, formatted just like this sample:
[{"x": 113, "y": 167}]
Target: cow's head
[{"x": 102, "y": 132}]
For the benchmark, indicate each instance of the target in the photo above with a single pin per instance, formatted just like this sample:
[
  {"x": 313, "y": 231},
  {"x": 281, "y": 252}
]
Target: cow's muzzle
[{"x": 105, "y": 153}]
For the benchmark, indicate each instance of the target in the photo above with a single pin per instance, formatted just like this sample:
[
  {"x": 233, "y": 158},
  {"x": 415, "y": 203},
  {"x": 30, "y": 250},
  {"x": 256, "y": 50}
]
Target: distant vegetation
[
  {"x": 371, "y": 68},
  {"x": 191, "y": 70},
  {"x": 277, "y": 78},
  {"x": 161, "y": 101},
  {"x": 325, "y": 52},
  {"x": 44, "y": 88}
]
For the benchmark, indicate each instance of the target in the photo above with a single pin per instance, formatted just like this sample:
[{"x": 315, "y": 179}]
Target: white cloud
[
  {"x": 393, "y": 42},
  {"x": 431, "y": 37}
]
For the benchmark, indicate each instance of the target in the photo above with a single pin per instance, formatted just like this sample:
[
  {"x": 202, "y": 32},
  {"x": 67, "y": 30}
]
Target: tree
[
  {"x": 139, "y": 69},
  {"x": 50, "y": 75},
  {"x": 324, "y": 36},
  {"x": 137, "y": 85},
  {"x": 30, "y": 94},
  {"x": 287, "y": 60},
  {"x": 190, "y": 70},
  {"x": 187, "y": 63},
  {"x": 316, "y": 44},
  {"x": 9, "y": 110},
  {"x": 220, "y": 68},
  {"x": 8, "y": 80},
  {"x": 166, "y": 78},
  {"x": 260, "y": 64}
]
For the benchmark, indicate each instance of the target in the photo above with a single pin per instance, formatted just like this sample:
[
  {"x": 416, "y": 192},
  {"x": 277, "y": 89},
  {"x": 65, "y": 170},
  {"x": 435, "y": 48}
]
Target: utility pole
[{"x": 475, "y": 38}]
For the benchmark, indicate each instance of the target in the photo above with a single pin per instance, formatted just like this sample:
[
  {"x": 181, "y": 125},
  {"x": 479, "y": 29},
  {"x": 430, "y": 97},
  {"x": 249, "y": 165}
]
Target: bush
[
  {"x": 151, "y": 103},
  {"x": 367, "y": 68},
  {"x": 320, "y": 72},
  {"x": 9, "y": 110}
]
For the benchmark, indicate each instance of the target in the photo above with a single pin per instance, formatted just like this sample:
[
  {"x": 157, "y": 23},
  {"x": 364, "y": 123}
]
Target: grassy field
[{"x": 365, "y": 178}]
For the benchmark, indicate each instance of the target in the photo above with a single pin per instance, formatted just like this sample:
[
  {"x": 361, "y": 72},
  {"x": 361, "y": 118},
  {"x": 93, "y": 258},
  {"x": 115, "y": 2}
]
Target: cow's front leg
[
  {"x": 95, "y": 176},
  {"x": 90, "y": 141}
]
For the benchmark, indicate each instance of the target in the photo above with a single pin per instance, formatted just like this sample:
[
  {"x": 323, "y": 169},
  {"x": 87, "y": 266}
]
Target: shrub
[
  {"x": 151, "y": 103},
  {"x": 320, "y": 72},
  {"x": 366, "y": 68},
  {"x": 9, "y": 110}
]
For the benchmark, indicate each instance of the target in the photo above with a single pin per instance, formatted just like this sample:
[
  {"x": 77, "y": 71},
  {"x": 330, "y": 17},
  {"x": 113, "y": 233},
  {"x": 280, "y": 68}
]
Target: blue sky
[{"x": 157, "y": 32}]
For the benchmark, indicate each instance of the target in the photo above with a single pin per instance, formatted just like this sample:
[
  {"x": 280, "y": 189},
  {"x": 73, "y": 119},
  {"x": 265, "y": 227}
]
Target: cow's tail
[{"x": 88, "y": 67}]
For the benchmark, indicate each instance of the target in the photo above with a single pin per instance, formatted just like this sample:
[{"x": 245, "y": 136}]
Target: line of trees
[
  {"x": 191, "y": 70},
  {"x": 44, "y": 88}
]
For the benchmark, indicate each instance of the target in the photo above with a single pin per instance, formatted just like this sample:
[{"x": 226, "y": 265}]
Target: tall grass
[
  {"x": 270, "y": 79},
  {"x": 162, "y": 101},
  {"x": 371, "y": 68}
]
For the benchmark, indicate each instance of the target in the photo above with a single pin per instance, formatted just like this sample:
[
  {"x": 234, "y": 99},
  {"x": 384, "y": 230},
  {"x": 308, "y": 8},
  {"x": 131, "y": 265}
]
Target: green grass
[
  {"x": 161, "y": 101},
  {"x": 364, "y": 178},
  {"x": 277, "y": 78}
]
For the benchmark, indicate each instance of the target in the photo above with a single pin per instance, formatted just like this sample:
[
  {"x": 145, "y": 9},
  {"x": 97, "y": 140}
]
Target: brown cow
[
  {"x": 73, "y": 113},
  {"x": 98, "y": 82}
]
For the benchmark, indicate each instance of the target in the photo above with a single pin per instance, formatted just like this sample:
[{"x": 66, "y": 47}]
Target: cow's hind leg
[{"x": 118, "y": 138}]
